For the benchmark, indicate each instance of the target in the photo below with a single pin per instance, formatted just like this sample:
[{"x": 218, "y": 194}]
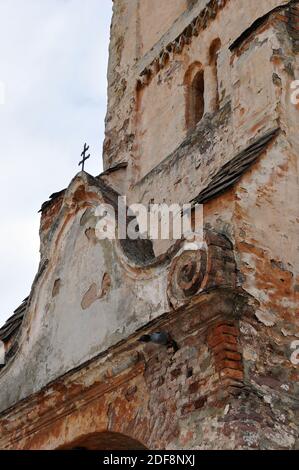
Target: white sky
[{"x": 53, "y": 61}]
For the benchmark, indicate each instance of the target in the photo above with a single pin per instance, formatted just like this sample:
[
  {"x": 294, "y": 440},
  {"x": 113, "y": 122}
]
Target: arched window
[{"x": 195, "y": 90}]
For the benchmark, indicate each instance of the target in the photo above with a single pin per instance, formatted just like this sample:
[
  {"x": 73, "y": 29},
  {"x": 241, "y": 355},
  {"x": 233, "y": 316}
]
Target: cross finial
[{"x": 83, "y": 155}]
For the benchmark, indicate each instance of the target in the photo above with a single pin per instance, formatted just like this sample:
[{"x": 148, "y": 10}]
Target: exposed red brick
[
  {"x": 232, "y": 373},
  {"x": 226, "y": 346},
  {"x": 226, "y": 329},
  {"x": 225, "y": 354},
  {"x": 229, "y": 364},
  {"x": 221, "y": 338}
]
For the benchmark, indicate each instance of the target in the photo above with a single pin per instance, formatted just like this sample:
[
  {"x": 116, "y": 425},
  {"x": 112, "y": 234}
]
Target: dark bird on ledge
[{"x": 162, "y": 338}]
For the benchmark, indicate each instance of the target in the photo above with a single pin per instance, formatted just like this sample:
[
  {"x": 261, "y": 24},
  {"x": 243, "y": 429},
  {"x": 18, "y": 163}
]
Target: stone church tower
[{"x": 200, "y": 111}]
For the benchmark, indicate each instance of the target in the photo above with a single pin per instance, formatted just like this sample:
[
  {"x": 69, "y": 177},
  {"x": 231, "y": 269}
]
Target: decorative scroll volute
[
  {"x": 195, "y": 271},
  {"x": 186, "y": 274}
]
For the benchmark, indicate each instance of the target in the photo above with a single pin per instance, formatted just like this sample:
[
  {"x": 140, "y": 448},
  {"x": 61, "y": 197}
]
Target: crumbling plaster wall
[
  {"x": 264, "y": 216},
  {"x": 128, "y": 134},
  {"x": 86, "y": 297},
  {"x": 260, "y": 215}
]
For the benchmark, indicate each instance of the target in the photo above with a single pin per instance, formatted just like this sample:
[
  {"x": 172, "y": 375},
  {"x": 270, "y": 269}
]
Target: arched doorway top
[{"x": 104, "y": 441}]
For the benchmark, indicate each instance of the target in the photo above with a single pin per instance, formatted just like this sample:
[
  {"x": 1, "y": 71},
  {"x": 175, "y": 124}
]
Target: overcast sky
[{"x": 53, "y": 61}]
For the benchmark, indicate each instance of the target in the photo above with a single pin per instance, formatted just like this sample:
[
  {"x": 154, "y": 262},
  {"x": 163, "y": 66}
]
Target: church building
[{"x": 168, "y": 344}]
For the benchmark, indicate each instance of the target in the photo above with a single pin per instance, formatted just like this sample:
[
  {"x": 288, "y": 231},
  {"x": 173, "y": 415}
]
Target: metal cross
[{"x": 83, "y": 154}]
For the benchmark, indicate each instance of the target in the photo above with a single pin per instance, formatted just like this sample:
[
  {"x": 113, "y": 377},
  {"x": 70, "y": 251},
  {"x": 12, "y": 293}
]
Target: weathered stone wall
[{"x": 86, "y": 297}]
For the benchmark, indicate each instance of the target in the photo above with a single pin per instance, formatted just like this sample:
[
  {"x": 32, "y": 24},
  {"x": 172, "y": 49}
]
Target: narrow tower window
[{"x": 195, "y": 101}]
